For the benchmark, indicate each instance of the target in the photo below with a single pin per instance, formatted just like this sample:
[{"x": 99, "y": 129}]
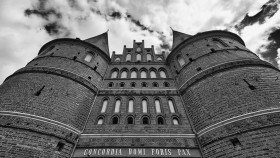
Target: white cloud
[{"x": 21, "y": 37}]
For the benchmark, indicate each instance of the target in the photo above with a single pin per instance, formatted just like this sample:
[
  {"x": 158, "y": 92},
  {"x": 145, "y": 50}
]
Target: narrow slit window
[
  {"x": 143, "y": 74},
  {"x": 128, "y": 57},
  {"x": 171, "y": 106},
  {"x": 104, "y": 106},
  {"x": 124, "y": 74},
  {"x": 153, "y": 74},
  {"x": 130, "y": 106},
  {"x": 175, "y": 121},
  {"x": 39, "y": 91},
  {"x": 149, "y": 57},
  {"x": 181, "y": 61},
  {"x": 157, "y": 105},
  {"x": 133, "y": 74},
  {"x": 138, "y": 57},
  {"x": 117, "y": 106},
  {"x": 114, "y": 74},
  {"x": 162, "y": 74},
  {"x": 88, "y": 57},
  {"x": 100, "y": 121},
  {"x": 144, "y": 106}
]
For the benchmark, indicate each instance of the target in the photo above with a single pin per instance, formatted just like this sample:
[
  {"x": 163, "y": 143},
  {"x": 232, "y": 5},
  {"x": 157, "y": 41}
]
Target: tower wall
[
  {"x": 232, "y": 97},
  {"x": 44, "y": 106}
]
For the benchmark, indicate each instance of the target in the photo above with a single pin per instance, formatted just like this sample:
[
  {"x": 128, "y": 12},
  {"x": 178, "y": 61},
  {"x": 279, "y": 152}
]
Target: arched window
[
  {"x": 117, "y": 59},
  {"x": 144, "y": 106},
  {"x": 130, "y": 120},
  {"x": 145, "y": 120},
  {"x": 153, "y": 74},
  {"x": 122, "y": 84},
  {"x": 144, "y": 84},
  {"x": 111, "y": 84},
  {"x": 114, "y": 74},
  {"x": 128, "y": 57},
  {"x": 138, "y": 49},
  {"x": 149, "y": 57},
  {"x": 115, "y": 120},
  {"x": 175, "y": 121},
  {"x": 100, "y": 121},
  {"x": 117, "y": 106},
  {"x": 155, "y": 84},
  {"x": 166, "y": 84},
  {"x": 162, "y": 74},
  {"x": 138, "y": 57},
  {"x": 104, "y": 106},
  {"x": 133, "y": 84},
  {"x": 124, "y": 74},
  {"x": 157, "y": 105},
  {"x": 171, "y": 106},
  {"x": 160, "y": 121},
  {"x": 88, "y": 57},
  {"x": 159, "y": 59},
  {"x": 133, "y": 74},
  {"x": 130, "y": 105},
  {"x": 181, "y": 61},
  {"x": 143, "y": 74}
]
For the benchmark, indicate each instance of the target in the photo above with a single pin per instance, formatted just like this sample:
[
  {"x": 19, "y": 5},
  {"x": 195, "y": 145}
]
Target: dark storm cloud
[
  {"x": 53, "y": 27},
  {"x": 137, "y": 23},
  {"x": 42, "y": 13},
  {"x": 41, "y": 10},
  {"x": 271, "y": 49},
  {"x": 267, "y": 11},
  {"x": 116, "y": 15}
]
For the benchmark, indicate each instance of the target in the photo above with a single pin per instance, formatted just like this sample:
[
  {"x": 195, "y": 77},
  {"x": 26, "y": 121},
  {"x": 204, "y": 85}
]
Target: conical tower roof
[
  {"x": 100, "y": 41},
  {"x": 178, "y": 37}
]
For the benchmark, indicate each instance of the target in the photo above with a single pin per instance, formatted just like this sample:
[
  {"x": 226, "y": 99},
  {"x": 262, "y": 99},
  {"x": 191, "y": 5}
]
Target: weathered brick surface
[
  {"x": 259, "y": 143},
  {"x": 241, "y": 126},
  {"x": 20, "y": 143},
  {"x": 225, "y": 94},
  {"x": 61, "y": 99}
]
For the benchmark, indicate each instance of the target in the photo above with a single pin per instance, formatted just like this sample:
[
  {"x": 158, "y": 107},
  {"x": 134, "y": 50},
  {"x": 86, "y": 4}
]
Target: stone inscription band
[{"x": 137, "y": 152}]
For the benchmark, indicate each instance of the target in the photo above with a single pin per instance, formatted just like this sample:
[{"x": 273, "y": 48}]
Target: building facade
[{"x": 210, "y": 97}]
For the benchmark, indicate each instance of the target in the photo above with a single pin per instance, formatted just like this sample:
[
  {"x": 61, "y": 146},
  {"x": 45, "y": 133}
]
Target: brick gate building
[{"x": 210, "y": 97}]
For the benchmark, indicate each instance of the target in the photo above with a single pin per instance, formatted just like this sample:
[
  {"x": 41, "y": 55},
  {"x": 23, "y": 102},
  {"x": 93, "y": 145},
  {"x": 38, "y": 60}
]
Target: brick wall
[
  {"x": 61, "y": 99},
  {"x": 22, "y": 143}
]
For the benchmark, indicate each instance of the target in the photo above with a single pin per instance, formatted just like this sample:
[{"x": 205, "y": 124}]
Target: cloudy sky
[{"x": 25, "y": 25}]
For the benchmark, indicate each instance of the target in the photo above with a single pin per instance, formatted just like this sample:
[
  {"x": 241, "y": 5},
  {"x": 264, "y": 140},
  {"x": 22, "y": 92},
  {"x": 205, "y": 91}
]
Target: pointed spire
[
  {"x": 178, "y": 38},
  {"x": 100, "y": 41}
]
